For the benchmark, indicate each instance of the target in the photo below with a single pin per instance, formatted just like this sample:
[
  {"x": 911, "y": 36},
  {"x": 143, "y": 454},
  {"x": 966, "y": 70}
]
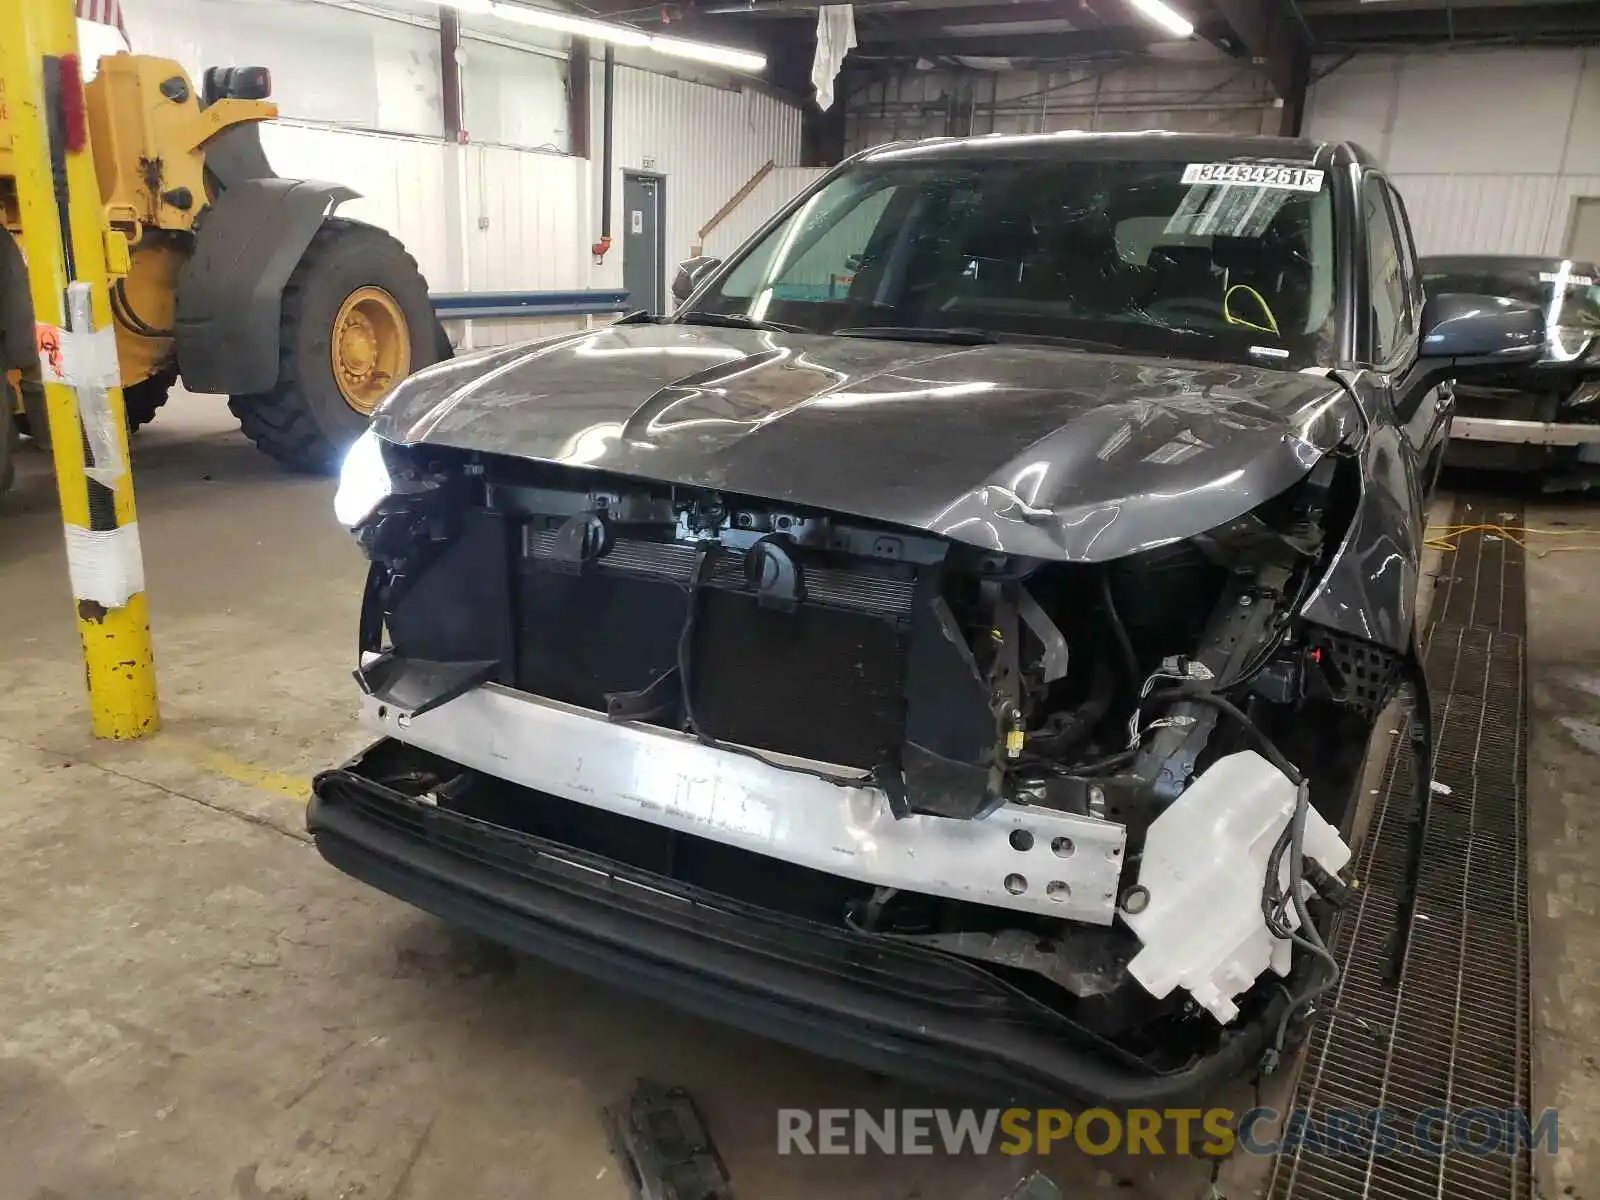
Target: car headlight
[{"x": 364, "y": 481}]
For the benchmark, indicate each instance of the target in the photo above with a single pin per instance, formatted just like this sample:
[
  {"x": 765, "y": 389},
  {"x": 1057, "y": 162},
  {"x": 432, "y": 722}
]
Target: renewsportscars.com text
[{"x": 1217, "y": 1132}]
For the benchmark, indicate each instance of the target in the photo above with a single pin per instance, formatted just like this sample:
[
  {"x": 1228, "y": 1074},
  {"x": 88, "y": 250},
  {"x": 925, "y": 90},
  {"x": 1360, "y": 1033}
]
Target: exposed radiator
[
  {"x": 825, "y": 681},
  {"x": 888, "y": 591}
]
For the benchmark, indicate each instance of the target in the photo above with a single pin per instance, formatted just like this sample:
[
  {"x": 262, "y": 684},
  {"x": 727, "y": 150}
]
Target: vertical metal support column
[
  {"x": 450, "y": 74},
  {"x": 457, "y": 153},
  {"x": 65, "y": 238},
  {"x": 1292, "y": 116},
  {"x": 578, "y": 96}
]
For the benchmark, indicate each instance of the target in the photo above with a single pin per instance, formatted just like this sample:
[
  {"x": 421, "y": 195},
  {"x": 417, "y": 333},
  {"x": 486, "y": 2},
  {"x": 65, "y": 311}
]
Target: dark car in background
[
  {"x": 1541, "y": 416},
  {"x": 950, "y": 640}
]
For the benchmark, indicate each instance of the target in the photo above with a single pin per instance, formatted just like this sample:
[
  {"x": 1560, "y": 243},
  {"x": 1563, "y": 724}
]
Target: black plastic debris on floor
[
  {"x": 1035, "y": 1187},
  {"x": 665, "y": 1150}
]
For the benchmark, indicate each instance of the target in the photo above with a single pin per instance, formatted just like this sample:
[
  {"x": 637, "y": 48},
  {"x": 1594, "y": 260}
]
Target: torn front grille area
[
  {"x": 823, "y": 679},
  {"x": 832, "y": 587}
]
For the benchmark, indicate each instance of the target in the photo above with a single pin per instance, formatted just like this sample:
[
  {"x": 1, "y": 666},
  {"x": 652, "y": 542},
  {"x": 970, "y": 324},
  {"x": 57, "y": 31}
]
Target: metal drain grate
[
  {"x": 1453, "y": 1036},
  {"x": 1482, "y": 584}
]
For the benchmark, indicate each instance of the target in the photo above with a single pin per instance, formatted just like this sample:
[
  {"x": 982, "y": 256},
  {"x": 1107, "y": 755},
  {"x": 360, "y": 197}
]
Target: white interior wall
[
  {"x": 520, "y": 226},
  {"x": 526, "y": 228},
  {"x": 705, "y": 140},
  {"x": 360, "y": 98},
  {"x": 1488, "y": 147},
  {"x": 513, "y": 97},
  {"x": 400, "y": 180},
  {"x": 329, "y": 65}
]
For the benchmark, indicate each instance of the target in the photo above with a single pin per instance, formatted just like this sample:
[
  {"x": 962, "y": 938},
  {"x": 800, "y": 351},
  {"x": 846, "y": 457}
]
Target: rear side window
[
  {"x": 1389, "y": 307},
  {"x": 1410, "y": 265}
]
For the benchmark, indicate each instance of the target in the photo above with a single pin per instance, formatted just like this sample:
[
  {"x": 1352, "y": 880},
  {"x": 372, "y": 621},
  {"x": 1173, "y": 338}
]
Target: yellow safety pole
[{"x": 65, "y": 239}]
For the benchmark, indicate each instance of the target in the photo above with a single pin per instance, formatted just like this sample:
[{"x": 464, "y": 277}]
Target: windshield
[
  {"x": 1568, "y": 292},
  {"x": 1230, "y": 261}
]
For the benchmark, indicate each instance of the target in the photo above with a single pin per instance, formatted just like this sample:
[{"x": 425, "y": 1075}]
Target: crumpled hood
[{"x": 1042, "y": 451}]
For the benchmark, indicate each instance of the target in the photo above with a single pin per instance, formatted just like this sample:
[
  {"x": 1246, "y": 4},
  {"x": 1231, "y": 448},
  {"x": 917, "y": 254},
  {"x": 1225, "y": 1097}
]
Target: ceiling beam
[
  {"x": 923, "y": 35},
  {"x": 1544, "y": 22},
  {"x": 1267, "y": 32},
  {"x": 863, "y": 8},
  {"x": 934, "y": 14},
  {"x": 1084, "y": 44},
  {"x": 725, "y": 30},
  {"x": 1317, "y": 8},
  {"x": 885, "y": 26}
]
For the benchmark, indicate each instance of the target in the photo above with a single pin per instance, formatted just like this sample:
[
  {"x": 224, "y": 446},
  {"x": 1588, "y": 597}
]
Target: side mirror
[
  {"x": 1477, "y": 332},
  {"x": 690, "y": 274}
]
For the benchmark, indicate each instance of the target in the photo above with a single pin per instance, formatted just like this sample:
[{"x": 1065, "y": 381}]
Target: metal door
[{"x": 643, "y": 255}]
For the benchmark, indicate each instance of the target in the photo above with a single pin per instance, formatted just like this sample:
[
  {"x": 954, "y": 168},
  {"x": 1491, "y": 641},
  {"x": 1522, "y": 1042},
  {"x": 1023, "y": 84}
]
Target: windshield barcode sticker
[
  {"x": 1569, "y": 280},
  {"x": 1225, "y": 212},
  {"x": 1262, "y": 175}
]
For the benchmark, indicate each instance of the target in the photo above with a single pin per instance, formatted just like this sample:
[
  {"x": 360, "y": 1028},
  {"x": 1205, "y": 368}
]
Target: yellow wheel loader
[{"x": 241, "y": 282}]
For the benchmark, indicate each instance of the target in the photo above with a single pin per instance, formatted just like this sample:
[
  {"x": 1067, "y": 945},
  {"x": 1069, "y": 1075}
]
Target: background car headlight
[{"x": 364, "y": 481}]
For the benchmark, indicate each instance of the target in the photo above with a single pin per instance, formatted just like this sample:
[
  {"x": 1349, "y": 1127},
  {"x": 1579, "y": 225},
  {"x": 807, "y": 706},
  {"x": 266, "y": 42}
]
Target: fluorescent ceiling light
[
  {"x": 1002, "y": 26},
  {"x": 1170, "y": 20},
  {"x": 544, "y": 18},
  {"x": 618, "y": 35},
  {"x": 722, "y": 56}
]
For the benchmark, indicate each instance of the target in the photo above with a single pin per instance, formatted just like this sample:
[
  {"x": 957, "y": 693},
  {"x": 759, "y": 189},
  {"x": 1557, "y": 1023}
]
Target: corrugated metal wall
[
  {"x": 1200, "y": 97},
  {"x": 1488, "y": 147},
  {"x": 401, "y": 181},
  {"x": 1511, "y": 214},
  {"x": 707, "y": 141},
  {"x": 520, "y": 215},
  {"x": 524, "y": 230},
  {"x": 781, "y": 185}
]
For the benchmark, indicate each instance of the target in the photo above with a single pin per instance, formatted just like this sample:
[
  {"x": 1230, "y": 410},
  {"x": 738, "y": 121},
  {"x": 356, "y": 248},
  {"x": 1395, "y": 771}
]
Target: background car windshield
[
  {"x": 1123, "y": 253},
  {"x": 1577, "y": 306}
]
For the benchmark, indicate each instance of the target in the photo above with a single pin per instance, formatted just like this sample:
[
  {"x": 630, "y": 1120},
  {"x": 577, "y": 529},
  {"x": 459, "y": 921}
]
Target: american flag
[{"x": 103, "y": 12}]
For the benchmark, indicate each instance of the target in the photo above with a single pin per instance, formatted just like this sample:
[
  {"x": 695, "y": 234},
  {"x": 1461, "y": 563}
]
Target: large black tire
[
  {"x": 17, "y": 350},
  {"x": 10, "y": 436},
  {"x": 304, "y": 421},
  {"x": 143, "y": 398},
  {"x": 33, "y": 421}
]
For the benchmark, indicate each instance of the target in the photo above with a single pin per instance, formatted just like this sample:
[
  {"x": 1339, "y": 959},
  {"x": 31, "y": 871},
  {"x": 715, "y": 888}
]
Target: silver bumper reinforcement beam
[
  {"x": 1525, "y": 433},
  {"x": 1020, "y": 857}
]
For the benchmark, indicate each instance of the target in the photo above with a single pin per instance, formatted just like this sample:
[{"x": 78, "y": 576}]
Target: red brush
[{"x": 74, "y": 117}]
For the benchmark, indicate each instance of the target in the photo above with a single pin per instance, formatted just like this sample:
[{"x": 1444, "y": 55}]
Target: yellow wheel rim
[{"x": 371, "y": 347}]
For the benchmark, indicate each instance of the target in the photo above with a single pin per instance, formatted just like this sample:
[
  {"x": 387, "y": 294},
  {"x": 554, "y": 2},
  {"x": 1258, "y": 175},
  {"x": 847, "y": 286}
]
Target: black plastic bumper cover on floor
[{"x": 901, "y": 1010}]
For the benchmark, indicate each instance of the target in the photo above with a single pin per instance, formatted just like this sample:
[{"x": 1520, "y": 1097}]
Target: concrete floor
[
  {"x": 1564, "y": 835},
  {"x": 194, "y": 1004}
]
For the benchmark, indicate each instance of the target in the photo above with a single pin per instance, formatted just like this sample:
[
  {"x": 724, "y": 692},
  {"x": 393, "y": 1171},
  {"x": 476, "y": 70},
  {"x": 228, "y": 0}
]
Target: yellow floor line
[{"x": 294, "y": 787}]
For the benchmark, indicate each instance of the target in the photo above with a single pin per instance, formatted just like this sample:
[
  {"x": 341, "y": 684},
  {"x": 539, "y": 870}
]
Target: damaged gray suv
[{"x": 950, "y": 640}]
